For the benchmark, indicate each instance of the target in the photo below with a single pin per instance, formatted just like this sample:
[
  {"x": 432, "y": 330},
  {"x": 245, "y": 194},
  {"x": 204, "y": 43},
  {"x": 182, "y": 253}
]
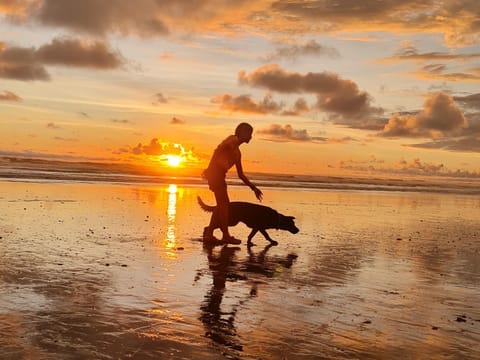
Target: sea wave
[{"x": 54, "y": 171}]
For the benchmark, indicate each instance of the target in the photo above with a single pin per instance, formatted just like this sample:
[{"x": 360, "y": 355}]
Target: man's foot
[
  {"x": 208, "y": 235},
  {"x": 231, "y": 240}
]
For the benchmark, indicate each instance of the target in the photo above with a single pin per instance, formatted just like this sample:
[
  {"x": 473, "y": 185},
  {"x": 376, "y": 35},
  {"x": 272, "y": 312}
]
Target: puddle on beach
[{"x": 93, "y": 271}]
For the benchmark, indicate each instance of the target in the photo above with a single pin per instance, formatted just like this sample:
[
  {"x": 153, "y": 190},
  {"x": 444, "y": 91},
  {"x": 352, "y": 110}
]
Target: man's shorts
[{"x": 216, "y": 180}]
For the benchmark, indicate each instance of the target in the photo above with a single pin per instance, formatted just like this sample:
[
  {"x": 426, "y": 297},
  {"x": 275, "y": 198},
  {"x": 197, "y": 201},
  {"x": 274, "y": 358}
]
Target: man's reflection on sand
[
  {"x": 224, "y": 266},
  {"x": 219, "y": 325}
]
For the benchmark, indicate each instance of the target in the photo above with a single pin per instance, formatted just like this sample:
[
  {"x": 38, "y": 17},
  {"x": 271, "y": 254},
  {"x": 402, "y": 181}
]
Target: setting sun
[{"x": 174, "y": 160}]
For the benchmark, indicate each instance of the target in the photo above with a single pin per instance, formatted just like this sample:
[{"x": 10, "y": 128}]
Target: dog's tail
[{"x": 204, "y": 206}]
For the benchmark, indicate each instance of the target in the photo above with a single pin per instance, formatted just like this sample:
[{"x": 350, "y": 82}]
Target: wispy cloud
[
  {"x": 52, "y": 125},
  {"x": 9, "y": 96},
  {"x": 404, "y": 167},
  {"x": 159, "y": 99},
  {"x": 293, "y": 51},
  {"x": 177, "y": 121},
  {"x": 411, "y": 53}
]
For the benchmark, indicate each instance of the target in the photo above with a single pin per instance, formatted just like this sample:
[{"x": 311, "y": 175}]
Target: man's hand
[{"x": 258, "y": 193}]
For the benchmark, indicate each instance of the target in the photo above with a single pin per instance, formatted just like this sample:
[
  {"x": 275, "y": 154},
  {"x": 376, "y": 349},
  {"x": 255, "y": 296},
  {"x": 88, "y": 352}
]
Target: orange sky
[{"x": 331, "y": 87}]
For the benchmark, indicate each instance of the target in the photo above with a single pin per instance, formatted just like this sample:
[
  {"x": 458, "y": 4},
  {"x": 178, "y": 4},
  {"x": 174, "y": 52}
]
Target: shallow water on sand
[{"x": 106, "y": 272}]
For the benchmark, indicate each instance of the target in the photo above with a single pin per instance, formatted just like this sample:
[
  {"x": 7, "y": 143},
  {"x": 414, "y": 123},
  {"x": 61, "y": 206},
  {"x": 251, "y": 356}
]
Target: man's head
[{"x": 244, "y": 132}]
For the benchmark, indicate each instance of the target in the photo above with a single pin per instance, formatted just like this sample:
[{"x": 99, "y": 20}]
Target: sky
[{"x": 371, "y": 88}]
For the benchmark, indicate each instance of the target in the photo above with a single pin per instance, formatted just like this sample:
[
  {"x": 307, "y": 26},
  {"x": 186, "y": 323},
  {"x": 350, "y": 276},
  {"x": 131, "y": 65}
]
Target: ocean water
[{"x": 109, "y": 266}]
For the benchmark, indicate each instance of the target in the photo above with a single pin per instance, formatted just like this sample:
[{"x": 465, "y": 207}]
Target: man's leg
[{"x": 221, "y": 196}]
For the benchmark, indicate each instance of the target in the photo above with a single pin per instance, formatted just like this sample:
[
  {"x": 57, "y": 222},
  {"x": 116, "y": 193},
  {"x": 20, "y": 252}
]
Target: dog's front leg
[
  {"x": 264, "y": 233},
  {"x": 252, "y": 234}
]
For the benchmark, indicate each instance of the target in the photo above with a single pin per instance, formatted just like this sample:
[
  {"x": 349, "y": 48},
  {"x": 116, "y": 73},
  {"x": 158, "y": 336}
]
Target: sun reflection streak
[{"x": 170, "y": 241}]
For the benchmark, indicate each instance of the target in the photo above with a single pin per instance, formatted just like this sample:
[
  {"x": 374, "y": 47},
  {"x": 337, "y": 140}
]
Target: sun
[{"x": 174, "y": 160}]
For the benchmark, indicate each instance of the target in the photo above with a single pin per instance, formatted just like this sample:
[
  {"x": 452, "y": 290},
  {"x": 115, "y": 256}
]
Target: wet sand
[{"x": 98, "y": 271}]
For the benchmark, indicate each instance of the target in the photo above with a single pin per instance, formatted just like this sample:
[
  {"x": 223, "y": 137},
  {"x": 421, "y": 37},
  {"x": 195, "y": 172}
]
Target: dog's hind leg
[{"x": 264, "y": 233}]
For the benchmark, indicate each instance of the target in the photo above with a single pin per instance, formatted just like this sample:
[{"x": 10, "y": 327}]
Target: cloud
[
  {"x": 140, "y": 17},
  {"x": 177, "y": 121},
  {"x": 160, "y": 99},
  {"x": 27, "y": 64},
  {"x": 287, "y": 133},
  {"x": 245, "y": 104},
  {"x": 340, "y": 97},
  {"x": 79, "y": 53},
  {"x": 299, "y": 107},
  {"x": 404, "y": 167},
  {"x": 440, "y": 72},
  {"x": 462, "y": 144},
  {"x": 52, "y": 125},
  {"x": 163, "y": 150},
  {"x": 418, "y": 166},
  {"x": 59, "y": 138},
  {"x": 292, "y": 52},
  {"x": 120, "y": 121},
  {"x": 456, "y": 20},
  {"x": 9, "y": 96},
  {"x": 410, "y": 53},
  {"x": 471, "y": 101},
  {"x": 13, "y": 7},
  {"x": 156, "y": 148},
  {"x": 440, "y": 117}
]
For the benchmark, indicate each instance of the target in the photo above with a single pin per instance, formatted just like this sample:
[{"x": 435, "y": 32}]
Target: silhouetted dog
[{"x": 256, "y": 217}]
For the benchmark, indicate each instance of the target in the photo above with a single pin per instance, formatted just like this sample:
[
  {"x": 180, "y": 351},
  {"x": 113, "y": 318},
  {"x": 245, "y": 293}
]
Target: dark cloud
[
  {"x": 245, "y": 103},
  {"x": 456, "y": 20},
  {"x": 78, "y": 53},
  {"x": 177, "y": 121},
  {"x": 101, "y": 17},
  {"x": 287, "y": 133},
  {"x": 340, "y": 97},
  {"x": 9, "y": 96},
  {"x": 440, "y": 117},
  {"x": 469, "y": 101},
  {"x": 292, "y": 52},
  {"x": 27, "y": 64}
]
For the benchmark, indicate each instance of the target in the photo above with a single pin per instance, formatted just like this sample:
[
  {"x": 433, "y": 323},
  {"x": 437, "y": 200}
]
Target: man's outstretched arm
[{"x": 242, "y": 176}]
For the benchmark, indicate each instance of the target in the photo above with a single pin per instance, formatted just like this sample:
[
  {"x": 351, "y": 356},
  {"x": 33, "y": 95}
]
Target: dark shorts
[{"x": 216, "y": 180}]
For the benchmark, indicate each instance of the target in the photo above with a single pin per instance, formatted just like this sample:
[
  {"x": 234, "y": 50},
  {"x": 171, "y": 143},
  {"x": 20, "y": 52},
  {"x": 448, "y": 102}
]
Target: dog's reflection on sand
[{"x": 224, "y": 266}]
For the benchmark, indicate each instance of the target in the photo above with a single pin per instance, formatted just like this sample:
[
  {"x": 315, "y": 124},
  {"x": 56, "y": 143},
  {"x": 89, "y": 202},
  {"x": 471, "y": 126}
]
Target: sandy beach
[{"x": 101, "y": 271}]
